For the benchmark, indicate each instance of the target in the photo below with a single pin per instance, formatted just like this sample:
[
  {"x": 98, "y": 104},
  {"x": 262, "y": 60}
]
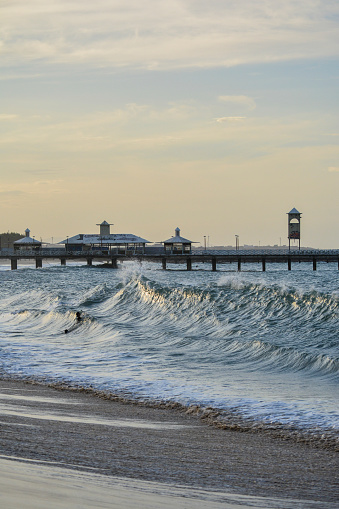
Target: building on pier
[
  {"x": 27, "y": 243},
  {"x": 294, "y": 217},
  {"x": 105, "y": 242},
  {"x": 178, "y": 244}
]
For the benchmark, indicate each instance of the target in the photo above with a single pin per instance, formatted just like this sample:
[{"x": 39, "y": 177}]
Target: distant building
[
  {"x": 105, "y": 242},
  {"x": 178, "y": 244},
  {"x": 27, "y": 243}
]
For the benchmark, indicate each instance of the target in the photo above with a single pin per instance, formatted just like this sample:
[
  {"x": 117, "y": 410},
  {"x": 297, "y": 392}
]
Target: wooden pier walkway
[{"x": 214, "y": 258}]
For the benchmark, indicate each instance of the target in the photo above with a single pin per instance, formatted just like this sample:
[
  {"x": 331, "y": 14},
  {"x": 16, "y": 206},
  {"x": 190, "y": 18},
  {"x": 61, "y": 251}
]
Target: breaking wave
[{"x": 264, "y": 348}]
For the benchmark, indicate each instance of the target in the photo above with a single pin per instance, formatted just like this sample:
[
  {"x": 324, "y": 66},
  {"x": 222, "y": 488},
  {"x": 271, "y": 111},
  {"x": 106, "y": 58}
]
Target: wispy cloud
[
  {"x": 7, "y": 116},
  {"x": 41, "y": 172},
  {"x": 220, "y": 120},
  {"x": 141, "y": 127},
  {"x": 37, "y": 189},
  {"x": 52, "y": 182},
  {"x": 100, "y": 130},
  {"x": 242, "y": 100},
  {"x": 181, "y": 33},
  {"x": 12, "y": 193}
]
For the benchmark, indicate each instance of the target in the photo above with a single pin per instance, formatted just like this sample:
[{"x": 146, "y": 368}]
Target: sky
[{"x": 218, "y": 117}]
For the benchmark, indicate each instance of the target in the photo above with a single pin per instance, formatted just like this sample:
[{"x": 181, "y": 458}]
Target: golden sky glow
[{"x": 216, "y": 117}]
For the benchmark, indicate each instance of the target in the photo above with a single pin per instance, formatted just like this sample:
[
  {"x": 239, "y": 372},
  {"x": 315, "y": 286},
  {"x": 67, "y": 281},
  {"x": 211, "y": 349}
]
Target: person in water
[{"x": 78, "y": 319}]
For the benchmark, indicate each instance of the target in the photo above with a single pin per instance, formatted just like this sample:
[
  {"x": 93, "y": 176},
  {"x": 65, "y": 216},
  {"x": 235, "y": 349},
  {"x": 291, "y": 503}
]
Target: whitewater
[{"x": 253, "y": 350}]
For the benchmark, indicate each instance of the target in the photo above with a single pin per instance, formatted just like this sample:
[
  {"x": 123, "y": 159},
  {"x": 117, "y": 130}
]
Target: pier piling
[{"x": 115, "y": 259}]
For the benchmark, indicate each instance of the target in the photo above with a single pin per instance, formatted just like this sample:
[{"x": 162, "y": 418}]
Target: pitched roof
[
  {"x": 112, "y": 238},
  {"x": 177, "y": 240},
  {"x": 294, "y": 211},
  {"x": 28, "y": 241}
]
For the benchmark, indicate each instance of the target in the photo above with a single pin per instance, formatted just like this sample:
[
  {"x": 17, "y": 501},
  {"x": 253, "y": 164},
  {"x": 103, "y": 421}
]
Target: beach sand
[{"x": 65, "y": 449}]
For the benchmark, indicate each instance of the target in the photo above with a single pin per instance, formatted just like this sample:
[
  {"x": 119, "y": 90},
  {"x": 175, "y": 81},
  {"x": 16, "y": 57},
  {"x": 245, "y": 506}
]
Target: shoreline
[
  {"x": 79, "y": 430},
  {"x": 31, "y": 485},
  {"x": 216, "y": 417}
]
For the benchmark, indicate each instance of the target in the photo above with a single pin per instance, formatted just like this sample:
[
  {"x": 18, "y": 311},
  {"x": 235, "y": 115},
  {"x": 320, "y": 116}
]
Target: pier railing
[
  {"x": 214, "y": 257},
  {"x": 57, "y": 252},
  {"x": 263, "y": 252}
]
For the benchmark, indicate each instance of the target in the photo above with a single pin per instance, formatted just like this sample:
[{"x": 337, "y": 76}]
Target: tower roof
[
  {"x": 104, "y": 223},
  {"x": 177, "y": 239},
  {"x": 27, "y": 241},
  {"x": 294, "y": 211}
]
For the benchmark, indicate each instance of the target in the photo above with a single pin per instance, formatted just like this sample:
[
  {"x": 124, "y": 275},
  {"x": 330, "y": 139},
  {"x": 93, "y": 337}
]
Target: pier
[{"x": 213, "y": 258}]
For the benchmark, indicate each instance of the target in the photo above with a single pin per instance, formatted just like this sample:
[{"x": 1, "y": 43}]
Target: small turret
[{"x": 105, "y": 228}]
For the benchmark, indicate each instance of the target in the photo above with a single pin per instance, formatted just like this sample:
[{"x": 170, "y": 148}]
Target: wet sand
[{"x": 85, "y": 444}]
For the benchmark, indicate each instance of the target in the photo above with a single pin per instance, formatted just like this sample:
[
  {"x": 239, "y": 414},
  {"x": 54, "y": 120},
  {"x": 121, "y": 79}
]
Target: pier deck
[{"x": 214, "y": 258}]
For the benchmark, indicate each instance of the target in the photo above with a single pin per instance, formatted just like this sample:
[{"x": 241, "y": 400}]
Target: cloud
[
  {"x": 7, "y": 116},
  {"x": 47, "y": 182},
  {"x": 5, "y": 194},
  {"x": 141, "y": 128},
  {"x": 333, "y": 168},
  {"x": 177, "y": 34},
  {"x": 28, "y": 190},
  {"x": 100, "y": 130},
  {"x": 43, "y": 171},
  {"x": 242, "y": 100},
  {"x": 228, "y": 119},
  {"x": 19, "y": 75}
]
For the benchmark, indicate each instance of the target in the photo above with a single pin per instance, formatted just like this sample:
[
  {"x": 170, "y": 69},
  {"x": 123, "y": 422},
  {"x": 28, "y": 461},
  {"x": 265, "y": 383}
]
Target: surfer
[{"x": 78, "y": 319}]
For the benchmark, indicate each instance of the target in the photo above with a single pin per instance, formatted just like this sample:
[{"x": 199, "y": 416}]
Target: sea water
[{"x": 259, "y": 348}]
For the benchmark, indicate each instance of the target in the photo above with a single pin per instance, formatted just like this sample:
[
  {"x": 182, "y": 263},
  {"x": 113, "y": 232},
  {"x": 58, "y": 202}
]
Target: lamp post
[
  {"x": 205, "y": 241},
  {"x": 236, "y": 242},
  {"x": 67, "y": 245}
]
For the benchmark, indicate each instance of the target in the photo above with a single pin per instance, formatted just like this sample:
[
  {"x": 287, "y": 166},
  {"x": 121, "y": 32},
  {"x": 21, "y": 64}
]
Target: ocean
[{"x": 247, "y": 350}]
